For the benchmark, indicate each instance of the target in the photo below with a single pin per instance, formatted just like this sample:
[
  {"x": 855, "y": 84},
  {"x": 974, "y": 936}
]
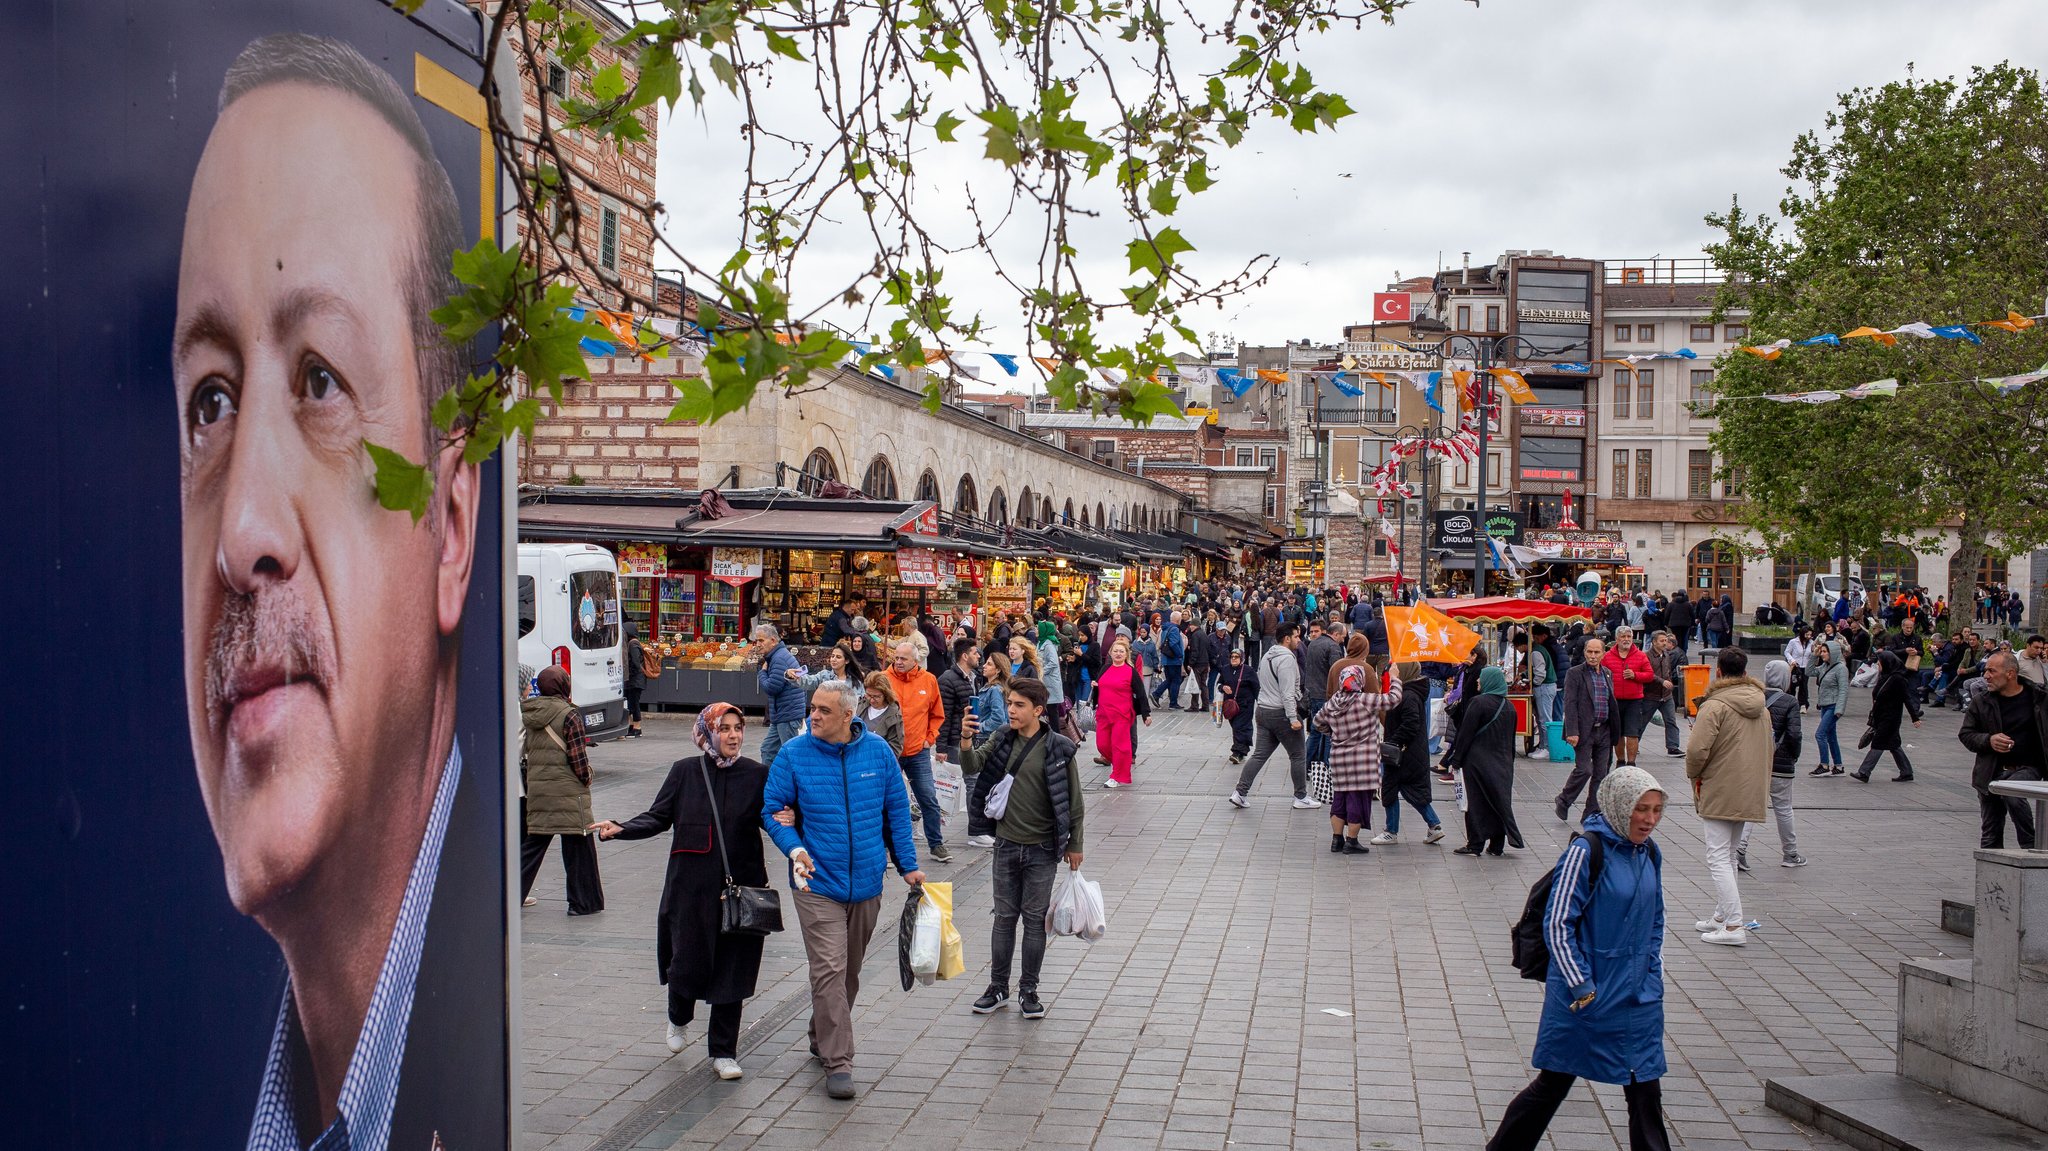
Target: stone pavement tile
[{"x": 1230, "y": 931}]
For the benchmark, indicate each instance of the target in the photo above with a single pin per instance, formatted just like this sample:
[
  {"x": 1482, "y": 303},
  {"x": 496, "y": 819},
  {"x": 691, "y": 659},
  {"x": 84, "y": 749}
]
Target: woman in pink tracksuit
[{"x": 1120, "y": 701}]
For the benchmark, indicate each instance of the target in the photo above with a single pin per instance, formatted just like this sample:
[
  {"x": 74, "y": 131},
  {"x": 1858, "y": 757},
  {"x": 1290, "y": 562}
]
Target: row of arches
[{"x": 1031, "y": 509}]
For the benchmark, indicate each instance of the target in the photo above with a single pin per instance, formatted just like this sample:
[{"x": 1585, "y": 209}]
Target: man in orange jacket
[{"x": 917, "y": 693}]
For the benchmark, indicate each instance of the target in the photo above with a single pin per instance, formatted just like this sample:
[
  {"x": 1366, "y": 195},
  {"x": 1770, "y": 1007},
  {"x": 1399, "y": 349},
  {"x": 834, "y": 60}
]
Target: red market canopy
[{"x": 1511, "y": 609}]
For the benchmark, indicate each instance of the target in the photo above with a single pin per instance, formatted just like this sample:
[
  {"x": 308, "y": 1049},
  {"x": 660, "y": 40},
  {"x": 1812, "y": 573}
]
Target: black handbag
[{"x": 741, "y": 910}]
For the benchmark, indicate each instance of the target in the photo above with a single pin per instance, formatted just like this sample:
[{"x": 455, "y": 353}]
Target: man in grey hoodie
[
  {"x": 1276, "y": 719},
  {"x": 1785, "y": 741}
]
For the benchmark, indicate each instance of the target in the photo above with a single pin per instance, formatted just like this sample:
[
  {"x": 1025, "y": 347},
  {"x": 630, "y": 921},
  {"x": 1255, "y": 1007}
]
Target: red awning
[{"x": 1511, "y": 609}]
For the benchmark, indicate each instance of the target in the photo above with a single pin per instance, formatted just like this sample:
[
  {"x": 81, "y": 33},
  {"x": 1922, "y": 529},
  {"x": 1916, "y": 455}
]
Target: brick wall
[{"x": 612, "y": 429}]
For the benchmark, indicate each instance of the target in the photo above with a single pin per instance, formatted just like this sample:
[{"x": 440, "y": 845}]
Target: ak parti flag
[{"x": 1423, "y": 634}]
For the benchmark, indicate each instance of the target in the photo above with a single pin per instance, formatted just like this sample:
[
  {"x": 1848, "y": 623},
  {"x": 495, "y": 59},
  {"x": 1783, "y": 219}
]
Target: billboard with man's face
[{"x": 258, "y": 895}]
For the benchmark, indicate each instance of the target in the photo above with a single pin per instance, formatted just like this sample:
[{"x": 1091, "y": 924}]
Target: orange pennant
[
  {"x": 1424, "y": 634},
  {"x": 2013, "y": 322},
  {"x": 1271, "y": 376},
  {"x": 1766, "y": 353},
  {"x": 1515, "y": 385},
  {"x": 1885, "y": 338}
]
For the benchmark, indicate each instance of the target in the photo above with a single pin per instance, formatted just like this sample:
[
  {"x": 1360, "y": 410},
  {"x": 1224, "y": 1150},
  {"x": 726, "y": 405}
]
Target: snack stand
[{"x": 1487, "y": 615}]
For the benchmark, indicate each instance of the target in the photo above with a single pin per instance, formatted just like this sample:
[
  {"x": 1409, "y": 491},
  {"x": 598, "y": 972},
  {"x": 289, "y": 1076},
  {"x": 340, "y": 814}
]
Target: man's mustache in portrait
[{"x": 262, "y": 639}]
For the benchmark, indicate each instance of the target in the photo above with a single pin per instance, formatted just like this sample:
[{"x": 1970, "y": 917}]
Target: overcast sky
[{"x": 1602, "y": 128}]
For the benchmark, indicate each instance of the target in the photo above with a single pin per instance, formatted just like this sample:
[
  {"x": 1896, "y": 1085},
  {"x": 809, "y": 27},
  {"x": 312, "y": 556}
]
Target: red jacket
[{"x": 1638, "y": 661}]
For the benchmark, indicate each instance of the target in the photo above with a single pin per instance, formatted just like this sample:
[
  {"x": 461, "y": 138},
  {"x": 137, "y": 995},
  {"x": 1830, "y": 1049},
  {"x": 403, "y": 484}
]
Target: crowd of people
[{"x": 844, "y": 778}]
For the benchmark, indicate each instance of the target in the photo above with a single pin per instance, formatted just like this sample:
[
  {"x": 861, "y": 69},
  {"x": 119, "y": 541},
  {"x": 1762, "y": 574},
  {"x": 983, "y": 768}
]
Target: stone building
[
  {"x": 616, "y": 236},
  {"x": 861, "y": 430}
]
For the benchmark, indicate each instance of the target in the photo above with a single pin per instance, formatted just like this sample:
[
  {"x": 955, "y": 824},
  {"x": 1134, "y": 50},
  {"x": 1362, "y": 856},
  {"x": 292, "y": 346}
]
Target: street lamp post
[{"x": 1483, "y": 352}]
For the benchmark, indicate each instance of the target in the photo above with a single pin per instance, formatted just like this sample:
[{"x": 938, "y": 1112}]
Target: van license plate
[{"x": 593, "y": 719}]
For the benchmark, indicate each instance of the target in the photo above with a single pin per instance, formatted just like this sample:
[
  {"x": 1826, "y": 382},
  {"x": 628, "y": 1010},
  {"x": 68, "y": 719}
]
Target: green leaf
[
  {"x": 608, "y": 83},
  {"x": 782, "y": 45},
  {"x": 402, "y": 486},
  {"x": 1197, "y": 178},
  {"x": 722, "y": 68},
  {"x": 446, "y": 408},
  {"x": 945, "y": 126},
  {"x": 1162, "y": 199},
  {"x": 1159, "y": 254},
  {"x": 1149, "y": 400}
]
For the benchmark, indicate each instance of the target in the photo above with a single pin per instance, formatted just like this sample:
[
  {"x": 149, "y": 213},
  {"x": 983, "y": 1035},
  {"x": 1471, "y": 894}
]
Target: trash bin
[
  {"x": 1695, "y": 680},
  {"x": 1553, "y": 733}
]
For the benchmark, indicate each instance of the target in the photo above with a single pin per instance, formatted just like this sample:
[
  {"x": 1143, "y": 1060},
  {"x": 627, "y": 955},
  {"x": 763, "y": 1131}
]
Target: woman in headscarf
[
  {"x": 1049, "y": 671},
  {"x": 1120, "y": 700},
  {"x": 555, "y": 777},
  {"x": 1353, "y": 717},
  {"x": 1239, "y": 685},
  {"x": 1485, "y": 751},
  {"x": 1603, "y": 1001},
  {"x": 1896, "y": 692},
  {"x": 716, "y": 793}
]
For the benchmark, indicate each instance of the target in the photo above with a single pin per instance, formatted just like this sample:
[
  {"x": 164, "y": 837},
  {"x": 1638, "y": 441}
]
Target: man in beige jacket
[{"x": 1729, "y": 763}]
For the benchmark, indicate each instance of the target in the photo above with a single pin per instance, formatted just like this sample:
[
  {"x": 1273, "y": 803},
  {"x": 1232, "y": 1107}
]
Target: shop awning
[
  {"x": 1511, "y": 609},
  {"x": 779, "y": 523}
]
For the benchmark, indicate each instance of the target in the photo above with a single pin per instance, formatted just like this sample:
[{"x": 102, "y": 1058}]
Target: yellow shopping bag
[{"x": 952, "y": 955}]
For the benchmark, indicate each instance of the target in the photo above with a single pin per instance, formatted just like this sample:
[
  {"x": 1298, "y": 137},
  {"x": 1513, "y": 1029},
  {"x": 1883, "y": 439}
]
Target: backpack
[
  {"x": 1531, "y": 951},
  {"x": 650, "y": 662}
]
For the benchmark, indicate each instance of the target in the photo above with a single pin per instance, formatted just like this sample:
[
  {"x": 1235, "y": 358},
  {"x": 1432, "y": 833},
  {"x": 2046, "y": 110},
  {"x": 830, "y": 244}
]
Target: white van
[
  {"x": 569, "y": 617},
  {"x": 1828, "y": 591}
]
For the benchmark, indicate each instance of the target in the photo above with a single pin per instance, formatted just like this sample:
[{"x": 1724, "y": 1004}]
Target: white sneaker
[
  {"x": 1436, "y": 834},
  {"x": 1726, "y": 936},
  {"x": 1384, "y": 838},
  {"x": 676, "y": 1039},
  {"x": 1112, "y": 784},
  {"x": 1306, "y": 804},
  {"x": 1706, "y": 925},
  {"x": 981, "y": 841},
  {"x": 529, "y": 901},
  {"x": 727, "y": 1068},
  {"x": 1539, "y": 753},
  {"x": 1237, "y": 799}
]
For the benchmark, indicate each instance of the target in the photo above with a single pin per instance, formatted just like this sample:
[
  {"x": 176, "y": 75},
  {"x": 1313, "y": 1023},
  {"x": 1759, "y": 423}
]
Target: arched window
[
  {"x": 1067, "y": 516},
  {"x": 1045, "y": 510},
  {"x": 1027, "y": 510},
  {"x": 966, "y": 501},
  {"x": 928, "y": 487},
  {"x": 998, "y": 508},
  {"x": 1787, "y": 571},
  {"x": 818, "y": 469},
  {"x": 1892, "y": 566},
  {"x": 1084, "y": 515},
  {"x": 1991, "y": 569},
  {"x": 880, "y": 482},
  {"x": 1715, "y": 567},
  {"x": 1101, "y": 520}
]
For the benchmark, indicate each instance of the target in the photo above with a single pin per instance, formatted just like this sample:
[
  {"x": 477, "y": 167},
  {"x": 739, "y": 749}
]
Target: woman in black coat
[
  {"x": 1239, "y": 681},
  {"x": 1895, "y": 694},
  {"x": 1486, "y": 752},
  {"x": 1404, "y": 757},
  {"x": 693, "y": 957}
]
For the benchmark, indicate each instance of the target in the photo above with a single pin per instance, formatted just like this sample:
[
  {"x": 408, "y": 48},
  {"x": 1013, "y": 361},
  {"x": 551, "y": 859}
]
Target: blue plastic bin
[{"x": 1553, "y": 734}]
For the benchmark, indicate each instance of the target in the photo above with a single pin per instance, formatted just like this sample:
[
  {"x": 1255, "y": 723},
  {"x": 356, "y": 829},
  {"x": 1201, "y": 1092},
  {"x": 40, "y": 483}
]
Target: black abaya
[{"x": 1486, "y": 752}]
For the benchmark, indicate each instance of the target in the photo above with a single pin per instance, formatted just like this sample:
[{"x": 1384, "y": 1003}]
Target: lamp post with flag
[{"x": 1484, "y": 352}]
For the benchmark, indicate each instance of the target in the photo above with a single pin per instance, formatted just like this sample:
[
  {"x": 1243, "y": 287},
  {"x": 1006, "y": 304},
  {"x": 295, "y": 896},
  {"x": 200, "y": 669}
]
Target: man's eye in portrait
[
  {"x": 318, "y": 382},
  {"x": 212, "y": 402}
]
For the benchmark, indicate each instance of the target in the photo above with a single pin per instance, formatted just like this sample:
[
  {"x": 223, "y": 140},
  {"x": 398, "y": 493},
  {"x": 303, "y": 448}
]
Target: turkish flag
[{"x": 1390, "y": 306}]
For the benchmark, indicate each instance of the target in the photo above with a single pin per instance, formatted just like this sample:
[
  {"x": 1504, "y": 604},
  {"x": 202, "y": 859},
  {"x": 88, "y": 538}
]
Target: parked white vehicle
[
  {"x": 569, "y": 617},
  {"x": 1823, "y": 592}
]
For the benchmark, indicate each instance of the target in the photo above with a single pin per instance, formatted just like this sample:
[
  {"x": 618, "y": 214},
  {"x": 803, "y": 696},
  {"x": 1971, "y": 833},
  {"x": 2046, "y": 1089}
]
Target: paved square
[{"x": 1254, "y": 989}]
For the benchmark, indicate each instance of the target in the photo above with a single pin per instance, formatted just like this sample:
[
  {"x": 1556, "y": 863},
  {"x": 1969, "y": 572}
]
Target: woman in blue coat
[{"x": 1603, "y": 1004}]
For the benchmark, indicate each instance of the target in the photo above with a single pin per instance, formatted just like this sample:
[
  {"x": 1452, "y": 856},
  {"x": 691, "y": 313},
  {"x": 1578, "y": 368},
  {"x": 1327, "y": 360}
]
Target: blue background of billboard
[{"x": 138, "y": 1003}]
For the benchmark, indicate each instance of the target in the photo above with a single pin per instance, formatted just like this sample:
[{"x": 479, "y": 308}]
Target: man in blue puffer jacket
[
  {"x": 781, "y": 680},
  {"x": 841, "y": 793}
]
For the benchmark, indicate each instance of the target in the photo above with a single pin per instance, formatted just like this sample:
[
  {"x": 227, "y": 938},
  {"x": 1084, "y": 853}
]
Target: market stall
[{"x": 1494, "y": 617}]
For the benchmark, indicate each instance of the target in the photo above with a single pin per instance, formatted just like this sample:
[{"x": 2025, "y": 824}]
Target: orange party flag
[
  {"x": 1424, "y": 634},
  {"x": 1885, "y": 338},
  {"x": 2013, "y": 322}
]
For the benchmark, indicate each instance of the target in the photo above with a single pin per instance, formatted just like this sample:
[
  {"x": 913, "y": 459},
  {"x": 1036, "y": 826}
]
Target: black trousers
[
  {"x": 579, "y": 861},
  {"x": 1992, "y": 810},
  {"x": 725, "y": 1023},
  {"x": 1591, "y": 761},
  {"x": 1529, "y": 1115},
  {"x": 1871, "y": 757}
]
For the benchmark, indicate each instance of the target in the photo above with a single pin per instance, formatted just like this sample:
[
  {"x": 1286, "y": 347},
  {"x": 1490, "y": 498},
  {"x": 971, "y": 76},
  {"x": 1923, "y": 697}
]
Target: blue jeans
[
  {"x": 1546, "y": 710},
  {"x": 1171, "y": 687},
  {"x": 1318, "y": 750},
  {"x": 1394, "y": 816},
  {"x": 776, "y": 735},
  {"x": 1824, "y": 737},
  {"x": 918, "y": 769}
]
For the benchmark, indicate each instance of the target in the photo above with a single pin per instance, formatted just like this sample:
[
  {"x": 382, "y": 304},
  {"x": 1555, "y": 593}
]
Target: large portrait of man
[{"x": 322, "y": 632}]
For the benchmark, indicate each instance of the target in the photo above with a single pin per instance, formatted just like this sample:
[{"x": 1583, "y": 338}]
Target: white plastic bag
[
  {"x": 1866, "y": 676},
  {"x": 998, "y": 800},
  {"x": 927, "y": 942},
  {"x": 951, "y": 788},
  {"x": 1076, "y": 908}
]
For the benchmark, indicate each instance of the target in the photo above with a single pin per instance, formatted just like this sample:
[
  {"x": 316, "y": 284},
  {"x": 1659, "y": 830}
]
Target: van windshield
[{"x": 594, "y": 609}]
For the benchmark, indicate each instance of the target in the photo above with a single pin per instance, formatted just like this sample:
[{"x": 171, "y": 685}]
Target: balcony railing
[{"x": 1355, "y": 414}]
